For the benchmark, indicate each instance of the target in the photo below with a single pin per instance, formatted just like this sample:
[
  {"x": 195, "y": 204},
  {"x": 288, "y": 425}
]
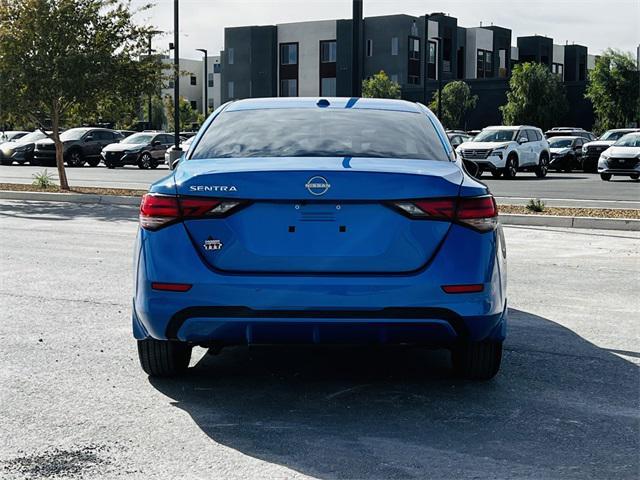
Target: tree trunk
[{"x": 62, "y": 174}]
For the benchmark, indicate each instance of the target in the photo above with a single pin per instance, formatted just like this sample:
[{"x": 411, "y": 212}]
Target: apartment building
[
  {"x": 315, "y": 59},
  {"x": 194, "y": 80}
]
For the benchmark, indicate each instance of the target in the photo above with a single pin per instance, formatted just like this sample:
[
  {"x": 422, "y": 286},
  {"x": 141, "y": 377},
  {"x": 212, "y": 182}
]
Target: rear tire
[
  {"x": 145, "y": 161},
  {"x": 5, "y": 161},
  {"x": 163, "y": 358},
  {"x": 496, "y": 173},
  {"x": 477, "y": 360},
  {"x": 543, "y": 166},
  {"x": 605, "y": 176},
  {"x": 635, "y": 176},
  {"x": 94, "y": 162}
]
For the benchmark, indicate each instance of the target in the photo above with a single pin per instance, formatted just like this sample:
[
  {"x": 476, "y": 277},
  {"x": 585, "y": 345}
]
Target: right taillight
[
  {"x": 479, "y": 213},
  {"x": 157, "y": 211}
]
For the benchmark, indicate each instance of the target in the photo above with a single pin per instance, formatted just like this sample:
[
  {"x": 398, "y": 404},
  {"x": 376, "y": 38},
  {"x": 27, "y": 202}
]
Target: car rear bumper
[{"x": 240, "y": 309}]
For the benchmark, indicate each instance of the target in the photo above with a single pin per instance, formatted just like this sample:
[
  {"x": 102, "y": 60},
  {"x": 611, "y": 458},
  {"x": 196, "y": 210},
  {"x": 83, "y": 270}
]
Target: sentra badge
[{"x": 212, "y": 244}]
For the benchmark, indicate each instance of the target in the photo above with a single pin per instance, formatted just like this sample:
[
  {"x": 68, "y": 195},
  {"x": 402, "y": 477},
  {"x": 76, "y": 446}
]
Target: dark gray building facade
[{"x": 316, "y": 59}]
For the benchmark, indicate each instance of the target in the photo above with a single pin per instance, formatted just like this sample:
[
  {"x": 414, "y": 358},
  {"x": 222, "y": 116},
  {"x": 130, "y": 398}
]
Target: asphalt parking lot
[
  {"x": 75, "y": 403},
  {"x": 559, "y": 189}
]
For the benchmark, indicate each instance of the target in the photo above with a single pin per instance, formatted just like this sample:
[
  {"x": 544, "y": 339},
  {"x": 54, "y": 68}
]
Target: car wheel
[
  {"x": 163, "y": 358},
  {"x": 496, "y": 173},
  {"x": 109, "y": 165},
  {"x": 477, "y": 360},
  {"x": 145, "y": 161},
  {"x": 94, "y": 162},
  {"x": 74, "y": 159},
  {"x": 635, "y": 176},
  {"x": 511, "y": 167},
  {"x": 543, "y": 166},
  {"x": 5, "y": 161},
  {"x": 154, "y": 164},
  {"x": 605, "y": 176}
]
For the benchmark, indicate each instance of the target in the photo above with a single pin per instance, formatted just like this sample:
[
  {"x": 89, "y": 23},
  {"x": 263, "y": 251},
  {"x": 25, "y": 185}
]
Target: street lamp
[
  {"x": 439, "y": 74},
  {"x": 151, "y": 34},
  {"x": 205, "y": 106},
  {"x": 176, "y": 79}
]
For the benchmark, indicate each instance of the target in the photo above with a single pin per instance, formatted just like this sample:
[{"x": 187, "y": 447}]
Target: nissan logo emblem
[{"x": 317, "y": 185}]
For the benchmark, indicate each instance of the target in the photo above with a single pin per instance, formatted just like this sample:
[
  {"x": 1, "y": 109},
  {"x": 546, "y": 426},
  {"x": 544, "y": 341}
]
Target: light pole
[
  {"x": 205, "y": 106},
  {"x": 176, "y": 77},
  {"x": 439, "y": 74},
  {"x": 356, "y": 26},
  {"x": 149, "y": 118}
]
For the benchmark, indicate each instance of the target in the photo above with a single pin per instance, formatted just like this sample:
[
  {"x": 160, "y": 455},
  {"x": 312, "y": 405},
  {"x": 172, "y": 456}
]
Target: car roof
[
  {"x": 566, "y": 137},
  {"x": 629, "y": 130},
  {"x": 334, "y": 103},
  {"x": 509, "y": 127}
]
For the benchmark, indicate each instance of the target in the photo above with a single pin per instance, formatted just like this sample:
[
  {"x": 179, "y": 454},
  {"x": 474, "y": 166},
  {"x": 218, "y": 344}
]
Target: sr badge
[{"x": 212, "y": 244}]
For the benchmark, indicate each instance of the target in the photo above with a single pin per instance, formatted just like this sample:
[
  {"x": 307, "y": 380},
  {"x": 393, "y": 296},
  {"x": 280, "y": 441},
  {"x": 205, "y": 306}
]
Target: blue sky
[{"x": 596, "y": 24}]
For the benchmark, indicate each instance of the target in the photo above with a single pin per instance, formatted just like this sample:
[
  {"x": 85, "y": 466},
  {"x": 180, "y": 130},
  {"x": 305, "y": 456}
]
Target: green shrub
[
  {"x": 43, "y": 180},
  {"x": 535, "y": 205}
]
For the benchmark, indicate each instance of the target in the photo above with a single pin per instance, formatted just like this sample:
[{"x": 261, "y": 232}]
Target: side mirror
[
  {"x": 522, "y": 140},
  {"x": 156, "y": 143},
  {"x": 175, "y": 163},
  {"x": 88, "y": 138},
  {"x": 472, "y": 168}
]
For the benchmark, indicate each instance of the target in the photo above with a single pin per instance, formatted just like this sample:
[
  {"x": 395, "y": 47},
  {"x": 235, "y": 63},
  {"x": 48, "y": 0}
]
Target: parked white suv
[
  {"x": 621, "y": 158},
  {"x": 508, "y": 150}
]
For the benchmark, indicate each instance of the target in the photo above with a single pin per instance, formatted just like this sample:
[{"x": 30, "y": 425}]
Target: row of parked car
[
  {"x": 504, "y": 151},
  {"x": 88, "y": 146}
]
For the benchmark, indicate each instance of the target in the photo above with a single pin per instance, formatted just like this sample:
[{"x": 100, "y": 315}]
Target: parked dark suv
[
  {"x": 145, "y": 149},
  {"x": 81, "y": 145}
]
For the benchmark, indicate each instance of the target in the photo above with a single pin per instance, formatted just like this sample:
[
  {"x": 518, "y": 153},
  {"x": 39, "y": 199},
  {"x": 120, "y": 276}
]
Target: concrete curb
[
  {"x": 506, "y": 219},
  {"x": 70, "y": 197},
  {"x": 571, "y": 222}
]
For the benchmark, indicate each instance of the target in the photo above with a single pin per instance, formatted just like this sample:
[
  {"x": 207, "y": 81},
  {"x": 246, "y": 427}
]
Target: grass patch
[{"x": 573, "y": 212}]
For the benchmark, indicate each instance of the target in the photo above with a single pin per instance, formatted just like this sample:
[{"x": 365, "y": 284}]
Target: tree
[
  {"x": 69, "y": 57},
  {"x": 614, "y": 90},
  {"x": 380, "y": 86},
  {"x": 457, "y": 101},
  {"x": 535, "y": 97},
  {"x": 188, "y": 114},
  {"x": 158, "y": 116}
]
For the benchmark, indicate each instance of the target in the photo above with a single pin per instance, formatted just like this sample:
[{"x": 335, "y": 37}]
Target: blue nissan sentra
[{"x": 320, "y": 221}]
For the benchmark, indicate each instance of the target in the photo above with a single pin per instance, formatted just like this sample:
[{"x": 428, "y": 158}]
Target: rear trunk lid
[{"x": 317, "y": 215}]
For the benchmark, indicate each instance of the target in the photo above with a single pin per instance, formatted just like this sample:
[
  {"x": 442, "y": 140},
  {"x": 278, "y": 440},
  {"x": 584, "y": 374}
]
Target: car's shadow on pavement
[{"x": 560, "y": 408}]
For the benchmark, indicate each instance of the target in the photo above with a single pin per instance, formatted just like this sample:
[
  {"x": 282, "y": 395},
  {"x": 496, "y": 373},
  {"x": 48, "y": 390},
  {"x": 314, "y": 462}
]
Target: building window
[
  {"x": 485, "y": 64},
  {"x": 194, "y": 80},
  {"x": 394, "y": 77},
  {"x": 231, "y": 90},
  {"x": 289, "y": 87},
  {"x": 328, "y": 51},
  {"x": 171, "y": 84},
  {"x": 447, "y": 47},
  {"x": 502, "y": 58},
  {"x": 369, "y": 48},
  {"x": 414, "y": 48},
  {"x": 395, "y": 45},
  {"x": 194, "y": 104},
  {"x": 288, "y": 54},
  {"x": 210, "y": 79},
  {"x": 558, "y": 69},
  {"x": 217, "y": 68},
  {"x": 210, "y": 103},
  {"x": 431, "y": 61},
  {"x": 328, "y": 87},
  {"x": 230, "y": 56},
  {"x": 413, "y": 72}
]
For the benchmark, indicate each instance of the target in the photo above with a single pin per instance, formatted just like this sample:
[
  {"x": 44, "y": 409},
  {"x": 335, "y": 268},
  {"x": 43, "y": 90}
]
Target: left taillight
[
  {"x": 479, "y": 213},
  {"x": 157, "y": 211}
]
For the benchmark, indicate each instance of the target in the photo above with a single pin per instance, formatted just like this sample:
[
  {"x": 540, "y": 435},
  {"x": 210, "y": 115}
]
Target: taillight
[
  {"x": 159, "y": 210},
  {"x": 480, "y": 213}
]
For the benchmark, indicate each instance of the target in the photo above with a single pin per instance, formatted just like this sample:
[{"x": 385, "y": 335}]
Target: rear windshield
[
  {"x": 306, "y": 132},
  {"x": 560, "y": 142}
]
